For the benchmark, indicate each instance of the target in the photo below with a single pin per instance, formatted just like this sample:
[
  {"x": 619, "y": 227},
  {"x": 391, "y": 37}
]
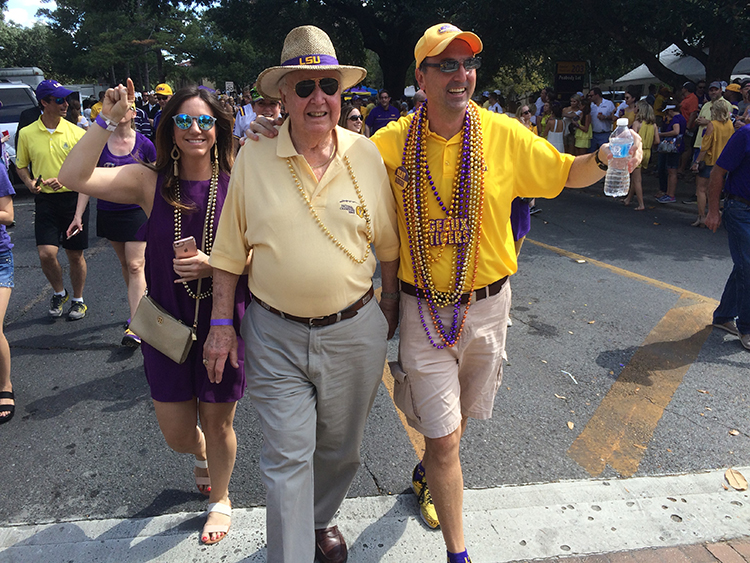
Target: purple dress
[{"x": 171, "y": 382}]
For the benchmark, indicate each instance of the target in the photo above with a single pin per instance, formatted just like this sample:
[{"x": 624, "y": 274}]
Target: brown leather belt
[
  {"x": 738, "y": 198},
  {"x": 477, "y": 295},
  {"x": 348, "y": 313}
]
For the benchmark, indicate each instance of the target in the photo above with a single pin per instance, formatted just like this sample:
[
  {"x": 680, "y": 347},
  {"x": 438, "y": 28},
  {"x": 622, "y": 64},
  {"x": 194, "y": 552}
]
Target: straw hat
[{"x": 307, "y": 48}]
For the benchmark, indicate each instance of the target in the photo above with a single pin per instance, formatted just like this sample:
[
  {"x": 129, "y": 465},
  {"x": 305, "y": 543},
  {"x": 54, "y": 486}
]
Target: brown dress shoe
[{"x": 330, "y": 545}]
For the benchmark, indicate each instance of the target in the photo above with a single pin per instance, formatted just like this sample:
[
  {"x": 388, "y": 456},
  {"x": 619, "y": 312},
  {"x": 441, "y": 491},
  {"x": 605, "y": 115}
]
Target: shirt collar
[{"x": 285, "y": 147}]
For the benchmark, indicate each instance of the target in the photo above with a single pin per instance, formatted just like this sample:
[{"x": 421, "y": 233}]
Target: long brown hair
[{"x": 164, "y": 164}]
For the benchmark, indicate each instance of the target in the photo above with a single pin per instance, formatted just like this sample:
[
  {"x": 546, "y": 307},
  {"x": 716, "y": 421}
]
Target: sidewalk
[{"x": 668, "y": 519}]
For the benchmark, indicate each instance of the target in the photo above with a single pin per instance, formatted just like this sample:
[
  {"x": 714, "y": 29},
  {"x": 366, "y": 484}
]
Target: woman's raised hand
[{"x": 117, "y": 101}]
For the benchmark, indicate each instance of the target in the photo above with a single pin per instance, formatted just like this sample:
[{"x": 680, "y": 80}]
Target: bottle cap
[{"x": 622, "y": 122}]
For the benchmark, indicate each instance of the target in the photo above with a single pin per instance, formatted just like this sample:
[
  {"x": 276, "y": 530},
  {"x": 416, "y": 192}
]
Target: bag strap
[{"x": 197, "y": 306}]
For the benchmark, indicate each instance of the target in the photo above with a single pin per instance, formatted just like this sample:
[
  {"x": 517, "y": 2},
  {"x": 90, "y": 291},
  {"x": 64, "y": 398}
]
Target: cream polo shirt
[
  {"x": 519, "y": 164},
  {"x": 295, "y": 267}
]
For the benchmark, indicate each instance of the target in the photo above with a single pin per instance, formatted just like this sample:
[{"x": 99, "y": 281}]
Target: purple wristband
[
  {"x": 104, "y": 124},
  {"x": 222, "y": 322}
]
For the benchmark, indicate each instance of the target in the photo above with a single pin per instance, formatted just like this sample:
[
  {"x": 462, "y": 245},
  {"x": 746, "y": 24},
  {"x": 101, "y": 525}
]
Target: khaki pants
[{"x": 313, "y": 388}]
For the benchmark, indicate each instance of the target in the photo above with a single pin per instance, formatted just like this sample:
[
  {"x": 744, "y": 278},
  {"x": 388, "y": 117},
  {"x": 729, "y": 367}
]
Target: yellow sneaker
[{"x": 424, "y": 498}]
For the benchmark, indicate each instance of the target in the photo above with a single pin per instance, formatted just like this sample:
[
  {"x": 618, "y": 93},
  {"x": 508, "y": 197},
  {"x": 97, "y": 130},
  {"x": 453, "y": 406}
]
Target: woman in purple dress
[{"x": 193, "y": 151}]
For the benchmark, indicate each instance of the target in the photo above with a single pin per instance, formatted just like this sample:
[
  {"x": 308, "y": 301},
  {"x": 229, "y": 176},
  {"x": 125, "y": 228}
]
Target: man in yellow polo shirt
[
  {"x": 454, "y": 170},
  {"x": 62, "y": 216}
]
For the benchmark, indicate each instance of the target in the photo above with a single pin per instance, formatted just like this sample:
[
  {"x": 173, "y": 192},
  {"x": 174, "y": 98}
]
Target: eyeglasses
[
  {"x": 525, "y": 112},
  {"x": 306, "y": 87},
  {"x": 185, "y": 121},
  {"x": 452, "y": 65},
  {"x": 161, "y": 98},
  {"x": 59, "y": 101},
  {"x": 355, "y": 118}
]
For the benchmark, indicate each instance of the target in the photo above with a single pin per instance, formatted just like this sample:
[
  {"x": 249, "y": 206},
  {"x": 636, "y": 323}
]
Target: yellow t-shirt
[
  {"x": 295, "y": 267},
  {"x": 95, "y": 109},
  {"x": 714, "y": 143},
  {"x": 46, "y": 151},
  {"x": 519, "y": 164}
]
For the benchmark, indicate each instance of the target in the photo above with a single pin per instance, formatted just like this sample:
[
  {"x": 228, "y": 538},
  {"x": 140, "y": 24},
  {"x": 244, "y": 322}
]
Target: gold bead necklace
[
  {"x": 320, "y": 223},
  {"x": 208, "y": 227}
]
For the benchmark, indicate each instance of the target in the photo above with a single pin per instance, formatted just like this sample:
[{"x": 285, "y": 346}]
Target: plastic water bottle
[{"x": 617, "y": 182}]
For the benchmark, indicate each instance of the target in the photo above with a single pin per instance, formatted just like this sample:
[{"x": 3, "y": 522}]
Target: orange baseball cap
[{"x": 437, "y": 38}]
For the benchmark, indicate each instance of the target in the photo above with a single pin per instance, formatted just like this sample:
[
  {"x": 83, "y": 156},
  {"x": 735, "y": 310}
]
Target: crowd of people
[{"x": 288, "y": 203}]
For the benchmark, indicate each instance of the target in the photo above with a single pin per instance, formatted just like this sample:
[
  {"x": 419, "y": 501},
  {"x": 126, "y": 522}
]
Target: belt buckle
[{"x": 311, "y": 320}]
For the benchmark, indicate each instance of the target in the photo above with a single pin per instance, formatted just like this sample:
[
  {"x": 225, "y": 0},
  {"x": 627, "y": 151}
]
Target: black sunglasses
[
  {"x": 525, "y": 112},
  {"x": 355, "y": 118},
  {"x": 185, "y": 121},
  {"x": 306, "y": 87},
  {"x": 452, "y": 65},
  {"x": 58, "y": 101}
]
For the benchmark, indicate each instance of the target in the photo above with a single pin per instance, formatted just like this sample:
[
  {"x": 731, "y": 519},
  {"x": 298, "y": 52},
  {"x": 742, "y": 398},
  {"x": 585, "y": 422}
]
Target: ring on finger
[{"x": 205, "y": 361}]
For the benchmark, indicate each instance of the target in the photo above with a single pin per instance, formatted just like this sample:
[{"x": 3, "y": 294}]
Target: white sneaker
[{"x": 510, "y": 322}]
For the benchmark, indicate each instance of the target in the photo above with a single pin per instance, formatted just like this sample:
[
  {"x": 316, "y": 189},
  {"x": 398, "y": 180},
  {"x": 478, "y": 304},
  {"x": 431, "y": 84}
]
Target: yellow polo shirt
[
  {"x": 95, "y": 109},
  {"x": 46, "y": 151},
  {"x": 295, "y": 267},
  {"x": 519, "y": 164}
]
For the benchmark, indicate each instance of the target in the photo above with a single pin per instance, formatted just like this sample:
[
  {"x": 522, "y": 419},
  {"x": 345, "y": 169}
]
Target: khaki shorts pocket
[{"x": 402, "y": 392}]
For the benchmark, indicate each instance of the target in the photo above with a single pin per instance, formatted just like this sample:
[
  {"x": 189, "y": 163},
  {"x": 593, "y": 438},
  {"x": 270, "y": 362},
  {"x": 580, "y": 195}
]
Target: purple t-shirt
[
  {"x": 6, "y": 188},
  {"x": 143, "y": 151},
  {"x": 520, "y": 218},
  {"x": 379, "y": 117},
  {"x": 735, "y": 158},
  {"x": 667, "y": 127}
]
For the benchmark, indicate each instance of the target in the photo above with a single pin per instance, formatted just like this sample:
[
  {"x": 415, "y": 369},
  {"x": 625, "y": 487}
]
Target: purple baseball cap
[{"x": 51, "y": 88}]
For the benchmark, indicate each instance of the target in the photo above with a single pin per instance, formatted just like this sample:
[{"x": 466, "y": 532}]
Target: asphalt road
[{"x": 625, "y": 327}]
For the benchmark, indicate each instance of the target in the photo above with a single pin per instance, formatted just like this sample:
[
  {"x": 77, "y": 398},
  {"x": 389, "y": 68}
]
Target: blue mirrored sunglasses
[{"x": 185, "y": 121}]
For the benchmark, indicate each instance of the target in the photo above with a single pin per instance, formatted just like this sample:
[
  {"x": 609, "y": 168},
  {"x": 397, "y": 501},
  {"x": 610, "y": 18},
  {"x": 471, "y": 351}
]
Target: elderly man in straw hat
[{"x": 306, "y": 207}]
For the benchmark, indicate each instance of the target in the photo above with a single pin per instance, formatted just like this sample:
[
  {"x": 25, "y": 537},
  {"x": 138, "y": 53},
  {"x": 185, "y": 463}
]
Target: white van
[
  {"x": 16, "y": 97},
  {"x": 31, "y": 75}
]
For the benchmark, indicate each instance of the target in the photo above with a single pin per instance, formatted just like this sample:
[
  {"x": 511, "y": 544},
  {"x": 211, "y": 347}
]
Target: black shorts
[
  {"x": 54, "y": 213},
  {"x": 119, "y": 226}
]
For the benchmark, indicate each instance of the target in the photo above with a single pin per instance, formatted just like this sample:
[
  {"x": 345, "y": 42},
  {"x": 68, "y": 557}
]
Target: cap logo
[
  {"x": 311, "y": 60},
  {"x": 447, "y": 28}
]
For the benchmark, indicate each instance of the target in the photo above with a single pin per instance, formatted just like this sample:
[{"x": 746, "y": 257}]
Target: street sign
[{"x": 569, "y": 77}]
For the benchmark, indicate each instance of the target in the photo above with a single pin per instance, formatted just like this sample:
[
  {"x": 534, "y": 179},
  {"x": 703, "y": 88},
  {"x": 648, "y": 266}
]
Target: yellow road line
[
  {"x": 416, "y": 439},
  {"x": 625, "y": 273},
  {"x": 619, "y": 431}
]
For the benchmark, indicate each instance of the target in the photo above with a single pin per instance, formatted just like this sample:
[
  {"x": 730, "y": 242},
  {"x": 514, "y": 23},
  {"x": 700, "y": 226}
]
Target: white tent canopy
[{"x": 674, "y": 59}]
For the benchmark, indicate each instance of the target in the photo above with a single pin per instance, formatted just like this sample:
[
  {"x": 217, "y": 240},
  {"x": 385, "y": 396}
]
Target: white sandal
[
  {"x": 221, "y": 508},
  {"x": 202, "y": 481}
]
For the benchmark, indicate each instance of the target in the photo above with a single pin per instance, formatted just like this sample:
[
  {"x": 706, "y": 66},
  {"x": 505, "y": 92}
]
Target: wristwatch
[{"x": 599, "y": 163}]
